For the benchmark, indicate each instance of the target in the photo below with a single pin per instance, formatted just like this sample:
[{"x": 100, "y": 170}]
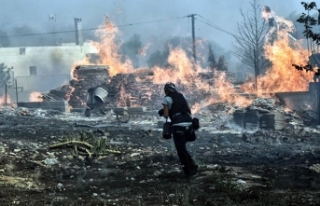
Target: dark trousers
[{"x": 180, "y": 140}]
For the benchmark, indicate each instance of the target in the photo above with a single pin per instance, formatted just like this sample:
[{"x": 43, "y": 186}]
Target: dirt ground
[{"x": 44, "y": 161}]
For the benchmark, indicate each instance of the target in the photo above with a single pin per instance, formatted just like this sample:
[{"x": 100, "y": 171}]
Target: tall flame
[
  {"x": 109, "y": 51},
  {"x": 282, "y": 52},
  {"x": 180, "y": 69}
]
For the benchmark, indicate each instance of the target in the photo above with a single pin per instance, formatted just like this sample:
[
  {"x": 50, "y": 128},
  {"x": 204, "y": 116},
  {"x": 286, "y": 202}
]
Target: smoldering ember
[{"x": 96, "y": 139}]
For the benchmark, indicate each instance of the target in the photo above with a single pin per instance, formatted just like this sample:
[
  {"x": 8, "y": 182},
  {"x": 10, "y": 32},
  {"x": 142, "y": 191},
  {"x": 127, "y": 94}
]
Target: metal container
[
  {"x": 100, "y": 95},
  {"x": 96, "y": 97}
]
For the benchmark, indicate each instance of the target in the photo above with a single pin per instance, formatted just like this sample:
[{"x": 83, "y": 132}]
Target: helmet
[{"x": 171, "y": 87}]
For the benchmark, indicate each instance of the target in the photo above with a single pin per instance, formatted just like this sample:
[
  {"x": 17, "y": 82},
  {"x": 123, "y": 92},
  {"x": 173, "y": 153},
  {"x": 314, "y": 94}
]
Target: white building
[{"x": 42, "y": 68}]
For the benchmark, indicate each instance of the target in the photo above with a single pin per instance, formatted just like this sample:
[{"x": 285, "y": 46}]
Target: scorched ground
[{"x": 237, "y": 167}]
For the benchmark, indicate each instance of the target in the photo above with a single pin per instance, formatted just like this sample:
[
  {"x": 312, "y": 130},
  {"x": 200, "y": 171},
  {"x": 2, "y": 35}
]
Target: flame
[
  {"x": 109, "y": 51},
  {"x": 5, "y": 100},
  {"x": 35, "y": 97},
  {"x": 281, "y": 51},
  {"x": 282, "y": 76},
  {"x": 227, "y": 92},
  {"x": 180, "y": 69}
]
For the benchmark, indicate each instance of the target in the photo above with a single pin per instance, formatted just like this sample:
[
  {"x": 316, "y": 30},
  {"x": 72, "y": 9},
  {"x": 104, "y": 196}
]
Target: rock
[
  {"x": 50, "y": 161},
  {"x": 60, "y": 186},
  {"x": 16, "y": 150},
  {"x": 315, "y": 168}
]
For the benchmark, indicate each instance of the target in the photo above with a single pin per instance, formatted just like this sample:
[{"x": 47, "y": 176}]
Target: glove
[{"x": 160, "y": 112}]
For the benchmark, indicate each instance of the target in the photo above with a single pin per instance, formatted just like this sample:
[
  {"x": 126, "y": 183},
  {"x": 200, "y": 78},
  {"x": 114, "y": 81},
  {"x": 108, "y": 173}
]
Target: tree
[
  {"x": 4, "y": 74},
  {"x": 132, "y": 49},
  {"x": 212, "y": 63},
  {"x": 222, "y": 64},
  {"x": 309, "y": 22},
  {"x": 158, "y": 58},
  {"x": 250, "y": 39}
]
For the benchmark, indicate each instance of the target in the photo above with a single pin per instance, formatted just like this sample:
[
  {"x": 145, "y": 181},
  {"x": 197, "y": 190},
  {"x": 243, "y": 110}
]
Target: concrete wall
[
  {"x": 314, "y": 89},
  {"x": 296, "y": 100},
  {"x": 61, "y": 105},
  {"x": 309, "y": 100}
]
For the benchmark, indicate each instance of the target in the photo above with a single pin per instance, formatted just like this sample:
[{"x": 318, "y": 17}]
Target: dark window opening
[
  {"x": 22, "y": 51},
  {"x": 33, "y": 70}
]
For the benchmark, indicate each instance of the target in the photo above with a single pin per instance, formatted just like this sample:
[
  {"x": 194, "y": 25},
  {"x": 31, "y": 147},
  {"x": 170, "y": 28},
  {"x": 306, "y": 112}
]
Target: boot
[
  {"x": 190, "y": 171},
  {"x": 186, "y": 171},
  {"x": 194, "y": 170}
]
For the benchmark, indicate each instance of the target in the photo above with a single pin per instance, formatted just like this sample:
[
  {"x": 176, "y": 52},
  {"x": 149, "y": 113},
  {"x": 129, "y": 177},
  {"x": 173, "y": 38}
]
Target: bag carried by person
[
  {"x": 186, "y": 131},
  {"x": 195, "y": 123},
  {"x": 190, "y": 134},
  {"x": 166, "y": 130}
]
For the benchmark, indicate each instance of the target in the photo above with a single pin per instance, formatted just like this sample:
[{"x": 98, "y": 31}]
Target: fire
[
  {"x": 35, "y": 97},
  {"x": 5, "y": 100},
  {"x": 282, "y": 76},
  {"x": 180, "y": 70},
  {"x": 282, "y": 52},
  {"x": 109, "y": 51},
  {"x": 226, "y": 91}
]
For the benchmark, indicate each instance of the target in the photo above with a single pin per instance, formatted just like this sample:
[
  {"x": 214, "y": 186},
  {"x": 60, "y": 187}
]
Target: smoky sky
[{"x": 153, "y": 20}]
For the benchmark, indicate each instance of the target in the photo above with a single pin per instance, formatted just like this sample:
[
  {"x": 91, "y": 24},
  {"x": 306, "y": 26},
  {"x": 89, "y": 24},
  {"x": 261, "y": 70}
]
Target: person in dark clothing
[{"x": 177, "y": 109}]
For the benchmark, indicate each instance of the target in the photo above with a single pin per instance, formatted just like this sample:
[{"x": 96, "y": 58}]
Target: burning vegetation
[{"x": 129, "y": 86}]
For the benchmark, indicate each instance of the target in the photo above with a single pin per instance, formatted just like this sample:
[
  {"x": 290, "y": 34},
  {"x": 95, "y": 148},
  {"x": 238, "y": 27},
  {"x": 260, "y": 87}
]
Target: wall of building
[{"x": 43, "y": 68}]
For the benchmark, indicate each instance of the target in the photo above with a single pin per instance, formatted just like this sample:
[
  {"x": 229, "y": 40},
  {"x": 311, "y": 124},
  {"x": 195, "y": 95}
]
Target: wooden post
[
  {"x": 16, "y": 91},
  {"x": 5, "y": 94}
]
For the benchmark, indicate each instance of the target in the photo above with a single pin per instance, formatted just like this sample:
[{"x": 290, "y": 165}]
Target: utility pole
[
  {"x": 5, "y": 94},
  {"x": 52, "y": 17},
  {"x": 193, "y": 40}
]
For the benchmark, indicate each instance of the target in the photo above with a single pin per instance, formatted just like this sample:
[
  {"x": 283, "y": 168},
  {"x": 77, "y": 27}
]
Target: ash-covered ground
[{"x": 54, "y": 158}]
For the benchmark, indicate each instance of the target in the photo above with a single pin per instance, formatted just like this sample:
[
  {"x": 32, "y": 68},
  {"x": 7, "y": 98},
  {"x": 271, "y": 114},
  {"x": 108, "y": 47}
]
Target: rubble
[
  {"x": 231, "y": 161},
  {"x": 239, "y": 150}
]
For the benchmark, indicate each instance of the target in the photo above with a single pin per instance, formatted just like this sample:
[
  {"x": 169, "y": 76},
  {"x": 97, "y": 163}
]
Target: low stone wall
[{"x": 58, "y": 105}]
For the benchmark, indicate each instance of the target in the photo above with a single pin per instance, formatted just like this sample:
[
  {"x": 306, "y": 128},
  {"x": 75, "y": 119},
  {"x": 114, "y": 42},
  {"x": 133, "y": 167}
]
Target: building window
[
  {"x": 22, "y": 51},
  {"x": 33, "y": 70}
]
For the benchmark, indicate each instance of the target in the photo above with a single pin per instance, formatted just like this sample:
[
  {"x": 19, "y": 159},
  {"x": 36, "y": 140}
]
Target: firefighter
[{"x": 177, "y": 109}]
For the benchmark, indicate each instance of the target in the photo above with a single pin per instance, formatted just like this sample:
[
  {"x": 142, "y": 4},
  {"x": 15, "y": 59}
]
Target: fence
[{"x": 23, "y": 86}]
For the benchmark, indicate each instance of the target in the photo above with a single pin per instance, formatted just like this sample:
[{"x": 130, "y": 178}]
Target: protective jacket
[{"x": 179, "y": 111}]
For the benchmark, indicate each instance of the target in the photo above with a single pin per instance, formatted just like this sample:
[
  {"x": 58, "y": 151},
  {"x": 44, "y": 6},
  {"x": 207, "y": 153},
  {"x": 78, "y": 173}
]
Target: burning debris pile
[
  {"x": 135, "y": 87},
  {"x": 59, "y": 93},
  {"x": 86, "y": 77},
  {"x": 124, "y": 90}
]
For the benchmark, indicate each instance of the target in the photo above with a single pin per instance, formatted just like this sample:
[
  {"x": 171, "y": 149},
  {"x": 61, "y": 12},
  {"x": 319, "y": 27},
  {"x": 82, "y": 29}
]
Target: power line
[
  {"x": 92, "y": 29},
  {"x": 214, "y": 26},
  {"x": 205, "y": 21}
]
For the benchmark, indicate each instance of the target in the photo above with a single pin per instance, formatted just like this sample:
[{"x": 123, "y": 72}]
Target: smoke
[
  {"x": 34, "y": 14},
  {"x": 159, "y": 24}
]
